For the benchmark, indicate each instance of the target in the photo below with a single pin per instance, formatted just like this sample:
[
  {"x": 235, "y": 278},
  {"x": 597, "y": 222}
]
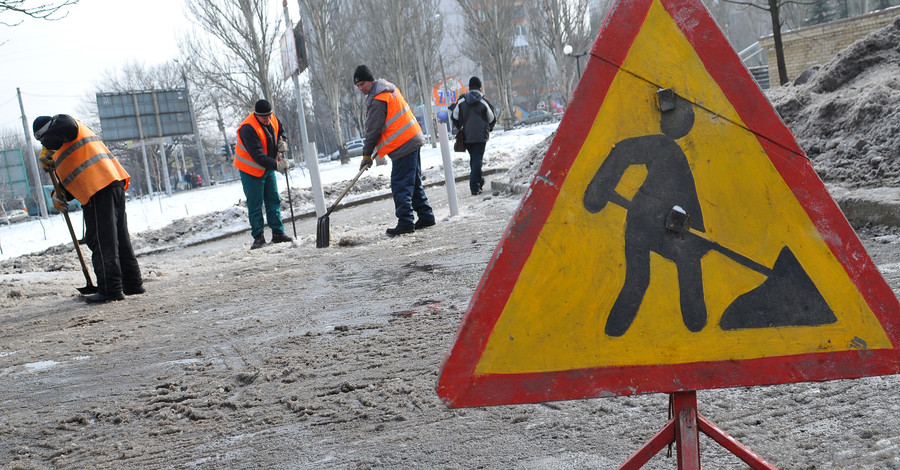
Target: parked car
[
  {"x": 14, "y": 216},
  {"x": 535, "y": 117},
  {"x": 354, "y": 149}
]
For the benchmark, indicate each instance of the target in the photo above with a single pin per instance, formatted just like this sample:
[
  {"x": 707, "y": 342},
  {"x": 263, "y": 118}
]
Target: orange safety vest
[
  {"x": 400, "y": 123},
  {"x": 242, "y": 159},
  {"x": 85, "y": 166}
]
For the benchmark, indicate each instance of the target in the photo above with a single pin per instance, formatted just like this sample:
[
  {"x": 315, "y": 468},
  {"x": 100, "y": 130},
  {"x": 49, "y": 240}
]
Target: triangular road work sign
[{"x": 675, "y": 238}]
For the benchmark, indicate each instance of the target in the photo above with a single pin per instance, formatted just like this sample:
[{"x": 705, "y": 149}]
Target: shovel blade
[
  {"x": 323, "y": 233},
  {"x": 788, "y": 297},
  {"x": 87, "y": 290}
]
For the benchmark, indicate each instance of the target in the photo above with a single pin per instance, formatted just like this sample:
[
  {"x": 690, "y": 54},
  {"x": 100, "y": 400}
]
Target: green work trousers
[{"x": 261, "y": 190}]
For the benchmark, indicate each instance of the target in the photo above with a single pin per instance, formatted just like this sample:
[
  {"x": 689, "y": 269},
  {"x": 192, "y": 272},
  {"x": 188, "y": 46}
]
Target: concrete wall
[{"x": 816, "y": 45}]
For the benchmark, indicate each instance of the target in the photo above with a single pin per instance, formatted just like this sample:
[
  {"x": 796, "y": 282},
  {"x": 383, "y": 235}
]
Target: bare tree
[
  {"x": 555, "y": 24},
  {"x": 427, "y": 44},
  {"x": 774, "y": 8},
  {"x": 235, "y": 54},
  {"x": 43, "y": 11},
  {"x": 391, "y": 23},
  {"x": 405, "y": 47},
  {"x": 491, "y": 27},
  {"x": 330, "y": 27}
]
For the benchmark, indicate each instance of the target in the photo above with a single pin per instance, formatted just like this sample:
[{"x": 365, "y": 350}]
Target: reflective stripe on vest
[
  {"x": 85, "y": 165},
  {"x": 242, "y": 159},
  {"x": 400, "y": 124}
]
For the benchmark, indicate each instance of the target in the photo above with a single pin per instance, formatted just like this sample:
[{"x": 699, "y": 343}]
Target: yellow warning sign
[{"x": 684, "y": 230}]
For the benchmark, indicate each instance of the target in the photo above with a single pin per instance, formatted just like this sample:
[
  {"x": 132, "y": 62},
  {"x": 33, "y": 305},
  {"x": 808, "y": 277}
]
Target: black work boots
[
  {"x": 280, "y": 237},
  {"x": 98, "y": 298},
  {"x": 398, "y": 230},
  {"x": 258, "y": 242},
  {"x": 420, "y": 224},
  {"x": 277, "y": 237}
]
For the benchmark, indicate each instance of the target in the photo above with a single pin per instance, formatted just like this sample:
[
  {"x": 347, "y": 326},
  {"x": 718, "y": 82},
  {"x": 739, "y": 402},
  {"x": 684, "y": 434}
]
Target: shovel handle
[
  {"x": 65, "y": 213},
  {"x": 344, "y": 192}
]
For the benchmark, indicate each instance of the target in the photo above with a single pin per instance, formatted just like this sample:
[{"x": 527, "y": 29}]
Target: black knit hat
[
  {"x": 38, "y": 126},
  {"x": 263, "y": 108},
  {"x": 363, "y": 74},
  {"x": 475, "y": 83}
]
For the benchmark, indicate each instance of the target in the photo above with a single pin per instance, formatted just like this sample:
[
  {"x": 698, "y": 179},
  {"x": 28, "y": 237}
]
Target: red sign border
[{"x": 458, "y": 386}]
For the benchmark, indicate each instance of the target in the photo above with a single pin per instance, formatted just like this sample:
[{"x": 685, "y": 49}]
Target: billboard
[
  {"x": 13, "y": 182},
  {"x": 124, "y": 115},
  {"x": 450, "y": 86}
]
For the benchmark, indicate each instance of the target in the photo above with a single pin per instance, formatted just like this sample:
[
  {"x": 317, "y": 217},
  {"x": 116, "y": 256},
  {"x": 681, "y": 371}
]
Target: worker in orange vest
[
  {"x": 258, "y": 155},
  {"x": 392, "y": 130},
  {"x": 89, "y": 172}
]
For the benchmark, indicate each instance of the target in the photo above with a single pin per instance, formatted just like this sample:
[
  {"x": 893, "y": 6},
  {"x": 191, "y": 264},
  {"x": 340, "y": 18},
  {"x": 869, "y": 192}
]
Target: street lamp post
[{"x": 567, "y": 50}]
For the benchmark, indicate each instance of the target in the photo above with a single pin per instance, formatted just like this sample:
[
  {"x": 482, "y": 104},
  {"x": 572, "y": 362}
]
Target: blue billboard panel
[{"x": 124, "y": 116}]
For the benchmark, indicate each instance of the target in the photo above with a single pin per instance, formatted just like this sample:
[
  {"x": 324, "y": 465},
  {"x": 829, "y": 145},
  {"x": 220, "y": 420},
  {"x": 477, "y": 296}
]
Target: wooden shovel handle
[{"x": 344, "y": 193}]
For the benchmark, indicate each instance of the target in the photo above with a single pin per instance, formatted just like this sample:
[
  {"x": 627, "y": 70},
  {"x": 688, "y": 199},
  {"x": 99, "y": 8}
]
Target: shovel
[
  {"x": 323, "y": 234},
  {"x": 287, "y": 182},
  {"x": 90, "y": 288}
]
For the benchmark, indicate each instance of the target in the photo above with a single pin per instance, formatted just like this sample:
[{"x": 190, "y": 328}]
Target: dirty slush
[{"x": 328, "y": 358}]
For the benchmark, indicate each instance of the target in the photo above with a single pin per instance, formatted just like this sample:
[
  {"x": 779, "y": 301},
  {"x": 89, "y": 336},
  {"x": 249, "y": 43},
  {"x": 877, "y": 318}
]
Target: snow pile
[
  {"x": 847, "y": 115},
  {"x": 188, "y": 229},
  {"x": 519, "y": 177}
]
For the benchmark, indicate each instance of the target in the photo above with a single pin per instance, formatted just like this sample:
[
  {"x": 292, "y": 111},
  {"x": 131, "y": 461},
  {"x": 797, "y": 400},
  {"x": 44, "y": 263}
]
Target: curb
[
  {"x": 307, "y": 213},
  {"x": 878, "y": 206}
]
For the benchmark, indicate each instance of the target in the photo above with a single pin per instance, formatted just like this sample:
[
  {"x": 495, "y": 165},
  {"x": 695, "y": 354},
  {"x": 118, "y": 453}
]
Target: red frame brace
[{"x": 682, "y": 429}]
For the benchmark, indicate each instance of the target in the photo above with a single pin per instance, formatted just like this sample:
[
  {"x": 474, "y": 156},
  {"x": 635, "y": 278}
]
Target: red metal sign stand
[{"x": 682, "y": 430}]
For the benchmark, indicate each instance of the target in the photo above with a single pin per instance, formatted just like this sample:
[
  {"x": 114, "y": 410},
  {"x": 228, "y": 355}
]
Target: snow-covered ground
[{"x": 147, "y": 213}]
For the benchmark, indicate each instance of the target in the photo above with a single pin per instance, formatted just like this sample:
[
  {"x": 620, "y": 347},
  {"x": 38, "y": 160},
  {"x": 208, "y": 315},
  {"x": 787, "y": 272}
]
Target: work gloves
[
  {"x": 366, "y": 163},
  {"x": 60, "y": 201},
  {"x": 46, "y": 160},
  {"x": 282, "y": 165}
]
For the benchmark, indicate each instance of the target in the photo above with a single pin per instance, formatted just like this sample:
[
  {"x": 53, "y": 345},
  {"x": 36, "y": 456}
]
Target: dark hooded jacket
[{"x": 479, "y": 114}]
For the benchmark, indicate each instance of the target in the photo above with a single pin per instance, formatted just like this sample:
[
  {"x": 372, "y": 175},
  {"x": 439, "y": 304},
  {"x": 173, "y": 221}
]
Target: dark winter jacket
[
  {"x": 479, "y": 113},
  {"x": 254, "y": 146}
]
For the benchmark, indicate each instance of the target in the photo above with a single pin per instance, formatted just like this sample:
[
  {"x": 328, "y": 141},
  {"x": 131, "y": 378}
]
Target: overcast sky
[{"x": 56, "y": 64}]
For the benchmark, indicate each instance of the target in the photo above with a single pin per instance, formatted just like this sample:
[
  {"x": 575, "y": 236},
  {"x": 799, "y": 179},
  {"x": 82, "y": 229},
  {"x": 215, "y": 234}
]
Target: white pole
[
  {"x": 308, "y": 151},
  {"x": 448, "y": 170}
]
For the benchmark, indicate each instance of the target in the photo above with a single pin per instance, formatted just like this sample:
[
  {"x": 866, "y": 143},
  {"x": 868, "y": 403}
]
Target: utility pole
[{"x": 32, "y": 160}]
